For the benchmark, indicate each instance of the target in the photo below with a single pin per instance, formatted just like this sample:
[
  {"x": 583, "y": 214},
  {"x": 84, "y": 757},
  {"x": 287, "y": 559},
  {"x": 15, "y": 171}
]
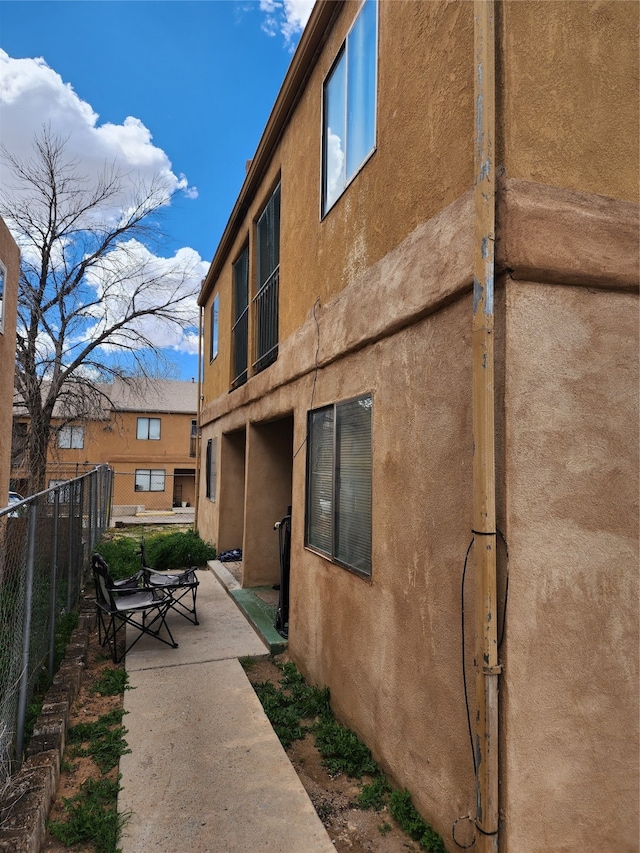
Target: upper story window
[
  {"x": 3, "y": 278},
  {"x": 193, "y": 439},
  {"x": 268, "y": 283},
  {"x": 213, "y": 341},
  {"x": 349, "y": 106},
  {"x": 148, "y": 429},
  {"x": 240, "y": 330},
  {"x": 339, "y": 477},
  {"x": 71, "y": 437}
]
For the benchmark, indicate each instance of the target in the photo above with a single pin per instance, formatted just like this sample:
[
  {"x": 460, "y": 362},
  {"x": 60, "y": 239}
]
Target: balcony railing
[
  {"x": 266, "y": 319},
  {"x": 240, "y": 338}
]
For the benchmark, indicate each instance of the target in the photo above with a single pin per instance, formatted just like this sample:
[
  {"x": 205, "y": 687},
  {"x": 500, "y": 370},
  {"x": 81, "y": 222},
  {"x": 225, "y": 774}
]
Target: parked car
[{"x": 15, "y": 498}]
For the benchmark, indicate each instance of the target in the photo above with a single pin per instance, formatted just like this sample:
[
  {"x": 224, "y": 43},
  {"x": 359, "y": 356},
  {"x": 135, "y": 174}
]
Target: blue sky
[{"x": 198, "y": 77}]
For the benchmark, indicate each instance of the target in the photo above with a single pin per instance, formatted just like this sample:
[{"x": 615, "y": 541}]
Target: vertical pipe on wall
[
  {"x": 484, "y": 514},
  {"x": 196, "y": 502}
]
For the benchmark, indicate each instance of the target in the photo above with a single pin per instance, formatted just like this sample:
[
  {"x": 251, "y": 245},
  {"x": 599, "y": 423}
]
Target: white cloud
[
  {"x": 32, "y": 95},
  {"x": 286, "y": 16}
]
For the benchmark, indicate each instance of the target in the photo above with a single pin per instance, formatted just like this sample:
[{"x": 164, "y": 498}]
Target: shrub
[
  {"x": 122, "y": 555},
  {"x": 178, "y": 550}
]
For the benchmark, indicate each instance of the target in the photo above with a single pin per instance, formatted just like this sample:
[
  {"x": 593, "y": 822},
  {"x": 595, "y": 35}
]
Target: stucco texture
[
  {"x": 568, "y": 94},
  {"x": 570, "y": 777}
]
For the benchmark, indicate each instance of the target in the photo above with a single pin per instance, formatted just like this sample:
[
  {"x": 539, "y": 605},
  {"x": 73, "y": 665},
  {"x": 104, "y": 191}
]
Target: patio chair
[
  {"x": 177, "y": 585},
  {"x": 143, "y": 609}
]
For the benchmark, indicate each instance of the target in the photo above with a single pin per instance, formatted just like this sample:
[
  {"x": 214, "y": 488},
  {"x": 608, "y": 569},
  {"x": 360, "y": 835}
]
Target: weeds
[
  {"x": 105, "y": 738},
  {"x": 294, "y": 710},
  {"x": 92, "y": 816},
  {"x": 176, "y": 550},
  {"x": 402, "y": 809},
  {"x": 112, "y": 682}
]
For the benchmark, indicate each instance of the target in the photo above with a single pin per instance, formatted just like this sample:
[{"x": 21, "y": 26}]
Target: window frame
[
  {"x": 215, "y": 328},
  {"x": 240, "y": 327},
  {"x": 72, "y": 430},
  {"x": 211, "y": 469},
  {"x": 336, "y": 519},
  {"x": 327, "y": 205},
  {"x": 151, "y": 472},
  {"x": 148, "y": 436},
  {"x": 266, "y": 301}
]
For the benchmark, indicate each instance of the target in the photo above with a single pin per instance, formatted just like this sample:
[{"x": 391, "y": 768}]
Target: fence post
[
  {"x": 26, "y": 636},
  {"x": 72, "y": 502},
  {"x": 53, "y": 588}
]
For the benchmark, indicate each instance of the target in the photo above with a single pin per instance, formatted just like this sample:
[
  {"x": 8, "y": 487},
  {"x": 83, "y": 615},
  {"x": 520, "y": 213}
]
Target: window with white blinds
[{"x": 339, "y": 462}]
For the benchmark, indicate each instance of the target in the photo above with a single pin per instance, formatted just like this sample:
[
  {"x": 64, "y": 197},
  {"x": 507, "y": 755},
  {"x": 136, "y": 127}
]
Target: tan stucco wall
[
  {"x": 10, "y": 257},
  {"x": 423, "y": 162},
  {"x": 570, "y": 689},
  {"x": 568, "y": 94}
]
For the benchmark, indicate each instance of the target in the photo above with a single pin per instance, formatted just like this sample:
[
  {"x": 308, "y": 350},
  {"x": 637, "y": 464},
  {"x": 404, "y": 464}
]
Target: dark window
[
  {"x": 211, "y": 468},
  {"x": 193, "y": 438},
  {"x": 240, "y": 331},
  {"x": 266, "y": 298},
  {"x": 339, "y": 463}
]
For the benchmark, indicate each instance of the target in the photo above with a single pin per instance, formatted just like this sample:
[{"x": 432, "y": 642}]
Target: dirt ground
[{"x": 335, "y": 798}]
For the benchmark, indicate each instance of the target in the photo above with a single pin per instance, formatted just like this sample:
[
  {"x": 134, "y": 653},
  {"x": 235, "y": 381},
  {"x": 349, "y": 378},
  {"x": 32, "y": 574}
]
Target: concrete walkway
[{"x": 206, "y": 772}]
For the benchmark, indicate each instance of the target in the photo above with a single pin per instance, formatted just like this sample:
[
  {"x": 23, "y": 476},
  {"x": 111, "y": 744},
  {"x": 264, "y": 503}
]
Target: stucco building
[
  {"x": 145, "y": 430},
  {"x": 421, "y": 333},
  {"x": 9, "y": 274}
]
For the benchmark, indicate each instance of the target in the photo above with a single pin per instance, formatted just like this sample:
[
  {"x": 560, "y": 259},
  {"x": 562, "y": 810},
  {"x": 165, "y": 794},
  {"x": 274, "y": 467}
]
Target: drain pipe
[
  {"x": 484, "y": 486},
  {"x": 196, "y": 502}
]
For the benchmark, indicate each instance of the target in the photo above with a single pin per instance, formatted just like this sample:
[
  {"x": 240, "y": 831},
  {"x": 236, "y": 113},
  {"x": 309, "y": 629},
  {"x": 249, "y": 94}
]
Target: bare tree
[{"x": 91, "y": 295}]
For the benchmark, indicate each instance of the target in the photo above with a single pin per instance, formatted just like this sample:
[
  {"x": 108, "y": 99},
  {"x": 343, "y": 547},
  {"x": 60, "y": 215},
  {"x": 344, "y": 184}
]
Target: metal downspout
[
  {"x": 484, "y": 505},
  {"x": 196, "y": 502}
]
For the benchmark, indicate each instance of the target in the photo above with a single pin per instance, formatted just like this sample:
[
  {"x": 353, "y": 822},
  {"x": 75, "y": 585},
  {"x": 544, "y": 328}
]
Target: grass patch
[
  {"x": 112, "y": 682},
  {"x": 104, "y": 738},
  {"x": 405, "y": 813},
  {"x": 92, "y": 816},
  {"x": 294, "y": 709}
]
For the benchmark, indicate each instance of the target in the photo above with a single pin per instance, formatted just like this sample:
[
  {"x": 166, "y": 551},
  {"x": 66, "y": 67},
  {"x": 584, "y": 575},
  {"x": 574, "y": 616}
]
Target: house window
[
  {"x": 339, "y": 461},
  {"x": 213, "y": 343},
  {"x": 193, "y": 438},
  {"x": 148, "y": 429},
  {"x": 71, "y": 437},
  {"x": 240, "y": 331},
  {"x": 212, "y": 468},
  {"x": 150, "y": 480},
  {"x": 349, "y": 106},
  {"x": 3, "y": 278},
  {"x": 266, "y": 298}
]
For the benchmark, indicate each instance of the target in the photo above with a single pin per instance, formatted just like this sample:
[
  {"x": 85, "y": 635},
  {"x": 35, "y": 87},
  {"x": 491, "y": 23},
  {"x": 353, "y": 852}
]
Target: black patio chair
[
  {"x": 142, "y": 608},
  {"x": 177, "y": 585}
]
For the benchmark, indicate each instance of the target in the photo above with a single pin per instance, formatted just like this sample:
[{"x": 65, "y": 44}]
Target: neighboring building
[
  {"x": 344, "y": 351},
  {"x": 146, "y": 431},
  {"x": 9, "y": 275}
]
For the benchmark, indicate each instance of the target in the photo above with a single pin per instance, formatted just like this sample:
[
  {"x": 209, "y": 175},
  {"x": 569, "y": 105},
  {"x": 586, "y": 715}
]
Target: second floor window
[
  {"x": 349, "y": 106},
  {"x": 193, "y": 438},
  {"x": 213, "y": 343},
  {"x": 148, "y": 429},
  {"x": 240, "y": 331},
  {"x": 268, "y": 284},
  {"x": 71, "y": 437}
]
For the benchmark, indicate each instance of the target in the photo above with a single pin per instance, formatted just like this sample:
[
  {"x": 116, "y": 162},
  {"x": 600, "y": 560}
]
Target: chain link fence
[{"x": 45, "y": 545}]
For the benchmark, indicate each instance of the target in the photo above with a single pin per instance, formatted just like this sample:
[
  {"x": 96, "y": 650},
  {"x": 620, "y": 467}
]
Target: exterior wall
[
  {"x": 10, "y": 258},
  {"x": 319, "y": 259},
  {"x": 571, "y": 676},
  {"x": 569, "y": 95},
  {"x": 376, "y": 297}
]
